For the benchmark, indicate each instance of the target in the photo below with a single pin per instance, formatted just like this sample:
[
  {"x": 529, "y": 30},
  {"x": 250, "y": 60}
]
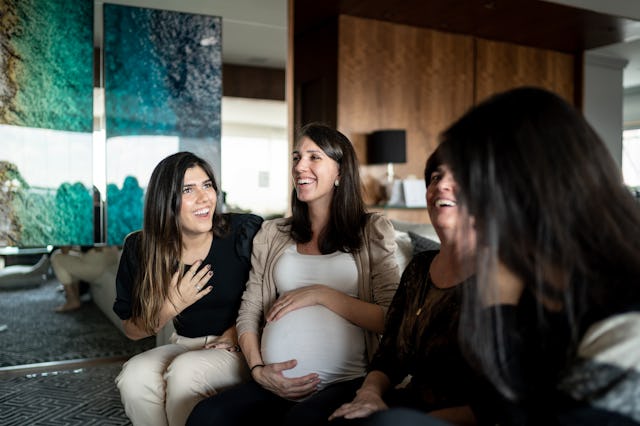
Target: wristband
[{"x": 255, "y": 366}]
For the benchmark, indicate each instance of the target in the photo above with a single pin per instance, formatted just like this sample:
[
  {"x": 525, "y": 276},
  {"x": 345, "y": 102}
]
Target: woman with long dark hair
[
  {"x": 554, "y": 328},
  {"x": 420, "y": 339},
  {"x": 316, "y": 297},
  {"x": 189, "y": 265}
]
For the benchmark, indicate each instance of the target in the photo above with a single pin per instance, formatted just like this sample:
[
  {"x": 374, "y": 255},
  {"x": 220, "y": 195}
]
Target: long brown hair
[
  {"x": 161, "y": 240},
  {"x": 348, "y": 214},
  {"x": 548, "y": 203}
]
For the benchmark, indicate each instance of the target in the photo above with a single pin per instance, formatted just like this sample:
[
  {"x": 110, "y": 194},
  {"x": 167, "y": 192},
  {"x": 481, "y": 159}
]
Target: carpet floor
[
  {"x": 76, "y": 397},
  {"x": 34, "y": 333},
  {"x": 59, "y": 369}
]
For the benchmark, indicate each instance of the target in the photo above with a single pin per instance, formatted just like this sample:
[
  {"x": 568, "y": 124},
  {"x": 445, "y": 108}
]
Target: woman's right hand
[
  {"x": 271, "y": 378},
  {"x": 187, "y": 290}
]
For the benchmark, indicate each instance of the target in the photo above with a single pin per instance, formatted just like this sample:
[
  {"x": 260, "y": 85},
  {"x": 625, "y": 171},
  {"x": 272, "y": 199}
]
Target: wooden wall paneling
[
  {"x": 398, "y": 76},
  {"x": 315, "y": 75},
  {"x": 243, "y": 81},
  {"x": 501, "y": 66}
]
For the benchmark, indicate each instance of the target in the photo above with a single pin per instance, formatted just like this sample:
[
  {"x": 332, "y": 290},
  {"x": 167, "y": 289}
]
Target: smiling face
[
  {"x": 441, "y": 199},
  {"x": 314, "y": 173},
  {"x": 198, "y": 202},
  {"x": 451, "y": 222}
]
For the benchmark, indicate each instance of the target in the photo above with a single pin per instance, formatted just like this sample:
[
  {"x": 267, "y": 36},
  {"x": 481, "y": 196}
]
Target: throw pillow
[
  {"x": 421, "y": 243},
  {"x": 404, "y": 251}
]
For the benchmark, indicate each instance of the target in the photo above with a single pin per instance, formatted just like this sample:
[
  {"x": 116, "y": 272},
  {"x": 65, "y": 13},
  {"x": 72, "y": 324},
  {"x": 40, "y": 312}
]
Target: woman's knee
[
  {"x": 206, "y": 372},
  {"x": 136, "y": 377}
]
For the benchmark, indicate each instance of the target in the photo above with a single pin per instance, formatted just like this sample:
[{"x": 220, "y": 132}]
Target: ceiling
[
  {"x": 255, "y": 31},
  {"x": 628, "y": 49}
]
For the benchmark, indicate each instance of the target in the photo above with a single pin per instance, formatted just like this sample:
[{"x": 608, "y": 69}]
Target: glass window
[
  {"x": 255, "y": 156},
  {"x": 631, "y": 157}
]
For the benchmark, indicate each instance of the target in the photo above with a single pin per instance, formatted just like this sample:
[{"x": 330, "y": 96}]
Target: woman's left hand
[
  {"x": 228, "y": 341},
  {"x": 298, "y": 298}
]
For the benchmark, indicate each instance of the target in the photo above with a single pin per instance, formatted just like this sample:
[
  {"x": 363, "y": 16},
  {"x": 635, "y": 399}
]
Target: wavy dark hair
[
  {"x": 549, "y": 203},
  {"x": 433, "y": 162},
  {"x": 161, "y": 237},
  {"x": 348, "y": 215}
]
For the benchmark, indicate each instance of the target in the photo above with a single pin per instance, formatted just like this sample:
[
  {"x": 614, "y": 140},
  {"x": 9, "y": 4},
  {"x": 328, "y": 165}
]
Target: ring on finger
[{"x": 198, "y": 287}]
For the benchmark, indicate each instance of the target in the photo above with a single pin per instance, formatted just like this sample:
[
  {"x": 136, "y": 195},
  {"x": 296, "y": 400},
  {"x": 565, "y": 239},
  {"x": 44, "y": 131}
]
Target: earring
[{"x": 336, "y": 183}]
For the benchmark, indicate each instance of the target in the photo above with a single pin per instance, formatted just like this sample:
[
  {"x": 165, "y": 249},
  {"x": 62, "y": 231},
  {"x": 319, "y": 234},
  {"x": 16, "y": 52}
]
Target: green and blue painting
[
  {"x": 46, "y": 122},
  {"x": 163, "y": 93}
]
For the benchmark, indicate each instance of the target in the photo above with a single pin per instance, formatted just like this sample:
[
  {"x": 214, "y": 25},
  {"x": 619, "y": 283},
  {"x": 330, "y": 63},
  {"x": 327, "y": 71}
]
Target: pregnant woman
[{"x": 316, "y": 298}]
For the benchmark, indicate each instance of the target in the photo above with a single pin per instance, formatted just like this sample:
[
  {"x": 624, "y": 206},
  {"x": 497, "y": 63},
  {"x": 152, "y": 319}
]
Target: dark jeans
[
  {"x": 403, "y": 416},
  {"x": 250, "y": 403},
  {"x": 399, "y": 416}
]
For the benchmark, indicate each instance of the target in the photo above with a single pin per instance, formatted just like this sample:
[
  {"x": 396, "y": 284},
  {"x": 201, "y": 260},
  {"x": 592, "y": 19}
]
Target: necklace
[{"x": 423, "y": 293}]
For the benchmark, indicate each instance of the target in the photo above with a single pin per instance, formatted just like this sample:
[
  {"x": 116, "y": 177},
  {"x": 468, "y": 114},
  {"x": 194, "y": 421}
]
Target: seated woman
[
  {"x": 421, "y": 331},
  {"x": 72, "y": 265},
  {"x": 316, "y": 297},
  {"x": 554, "y": 327},
  {"x": 187, "y": 265}
]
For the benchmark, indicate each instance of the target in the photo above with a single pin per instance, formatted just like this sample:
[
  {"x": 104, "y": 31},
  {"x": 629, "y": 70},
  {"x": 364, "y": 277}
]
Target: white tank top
[{"x": 320, "y": 340}]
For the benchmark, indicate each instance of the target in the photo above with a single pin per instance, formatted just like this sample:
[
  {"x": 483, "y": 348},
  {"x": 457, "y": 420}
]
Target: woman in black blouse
[
  {"x": 553, "y": 327},
  {"x": 189, "y": 265},
  {"x": 420, "y": 336}
]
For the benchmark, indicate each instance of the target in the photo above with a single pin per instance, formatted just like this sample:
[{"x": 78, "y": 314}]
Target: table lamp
[{"x": 389, "y": 147}]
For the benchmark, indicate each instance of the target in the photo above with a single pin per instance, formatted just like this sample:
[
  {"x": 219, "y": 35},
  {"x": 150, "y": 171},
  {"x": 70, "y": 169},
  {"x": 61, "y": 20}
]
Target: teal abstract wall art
[
  {"x": 47, "y": 61},
  {"x": 163, "y": 92},
  {"x": 46, "y": 120}
]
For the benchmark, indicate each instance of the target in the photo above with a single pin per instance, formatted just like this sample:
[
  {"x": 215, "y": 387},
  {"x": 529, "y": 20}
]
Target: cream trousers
[
  {"x": 71, "y": 267},
  {"x": 162, "y": 385}
]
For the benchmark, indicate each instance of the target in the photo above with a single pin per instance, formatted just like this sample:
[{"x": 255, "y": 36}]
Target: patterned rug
[
  {"x": 35, "y": 333},
  {"x": 79, "y": 397}
]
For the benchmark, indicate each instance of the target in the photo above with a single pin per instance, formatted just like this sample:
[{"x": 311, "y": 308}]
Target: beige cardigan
[{"x": 378, "y": 272}]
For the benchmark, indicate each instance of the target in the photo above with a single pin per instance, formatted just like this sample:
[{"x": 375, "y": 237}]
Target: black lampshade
[{"x": 387, "y": 146}]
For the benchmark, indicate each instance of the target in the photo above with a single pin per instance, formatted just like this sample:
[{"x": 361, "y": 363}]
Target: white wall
[
  {"x": 255, "y": 155},
  {"x": 632, "y": 108},
  {"x": 603, "y": 99}
]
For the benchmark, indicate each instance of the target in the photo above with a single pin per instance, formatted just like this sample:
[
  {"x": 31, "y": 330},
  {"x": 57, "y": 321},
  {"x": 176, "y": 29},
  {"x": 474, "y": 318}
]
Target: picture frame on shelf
[{"x": 414, "y": 191}]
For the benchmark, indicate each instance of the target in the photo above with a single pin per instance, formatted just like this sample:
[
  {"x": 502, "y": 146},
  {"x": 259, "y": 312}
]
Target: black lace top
[{"x": 421, "y": 340}]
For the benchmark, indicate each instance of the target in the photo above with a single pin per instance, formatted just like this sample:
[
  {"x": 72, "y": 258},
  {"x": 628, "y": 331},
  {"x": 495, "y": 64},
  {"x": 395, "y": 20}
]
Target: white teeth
[
  {"x": 201, "y": 212},
  {"x": 445, "y": 203},
  {"x": 304, "y": 181}
]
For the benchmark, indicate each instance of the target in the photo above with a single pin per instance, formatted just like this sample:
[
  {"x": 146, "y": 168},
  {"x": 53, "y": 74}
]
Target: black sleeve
[
  {"x": 247, "y": 229},
  {"x": 126, "y": 276}
]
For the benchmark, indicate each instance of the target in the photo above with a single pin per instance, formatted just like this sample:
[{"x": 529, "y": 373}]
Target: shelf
[{"x": 404, "y": 213}]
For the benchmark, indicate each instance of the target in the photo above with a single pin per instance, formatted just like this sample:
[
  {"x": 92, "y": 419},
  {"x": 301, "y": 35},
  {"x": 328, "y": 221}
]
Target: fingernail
[{"x": 210, "y": 273}]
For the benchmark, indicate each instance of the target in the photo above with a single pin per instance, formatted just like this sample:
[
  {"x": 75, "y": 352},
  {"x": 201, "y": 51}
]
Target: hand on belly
[{"x": 319, "y": 340}]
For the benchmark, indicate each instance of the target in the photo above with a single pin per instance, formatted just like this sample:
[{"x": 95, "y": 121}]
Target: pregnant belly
[{"x": 321, "y": 341}]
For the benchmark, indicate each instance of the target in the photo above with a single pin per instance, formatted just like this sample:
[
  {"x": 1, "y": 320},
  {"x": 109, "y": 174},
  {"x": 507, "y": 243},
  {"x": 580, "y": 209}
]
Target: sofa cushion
[
  {"x": 404, "y": 252},
  {"x": 24, "y": 276},
  {"x": 423, "y": 229},
  {"x": 421, "y": 243}
]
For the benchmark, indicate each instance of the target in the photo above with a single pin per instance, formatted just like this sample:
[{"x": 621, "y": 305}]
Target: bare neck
[
  {"x": 195, "y": 247},
  {"x": 449, "y": 268},
  {"x": 319, "y": 217}
]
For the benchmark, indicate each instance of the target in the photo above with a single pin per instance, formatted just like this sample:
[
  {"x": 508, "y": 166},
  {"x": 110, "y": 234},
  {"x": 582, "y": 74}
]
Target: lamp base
[
  {"x": 390, "y": 173},
  {"x": 396, "y": 193}
]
